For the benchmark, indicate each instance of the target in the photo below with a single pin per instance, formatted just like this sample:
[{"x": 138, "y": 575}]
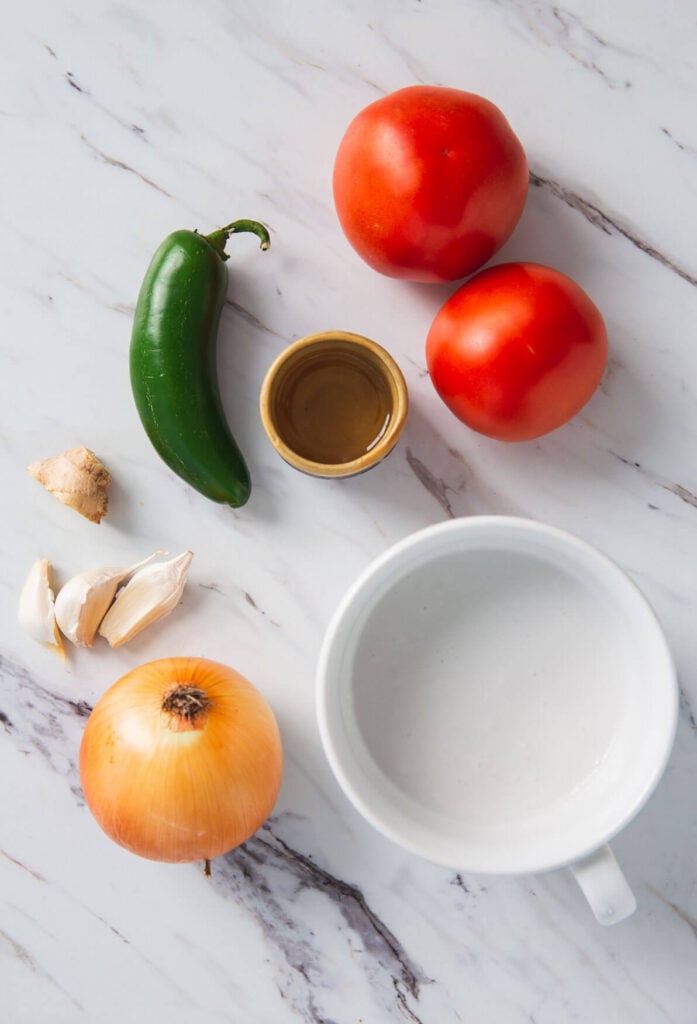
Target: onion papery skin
[{"x": 175, "y": 790}]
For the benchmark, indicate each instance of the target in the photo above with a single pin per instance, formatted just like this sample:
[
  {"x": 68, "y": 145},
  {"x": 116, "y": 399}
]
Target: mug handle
[{"x": 604, "y": 886}]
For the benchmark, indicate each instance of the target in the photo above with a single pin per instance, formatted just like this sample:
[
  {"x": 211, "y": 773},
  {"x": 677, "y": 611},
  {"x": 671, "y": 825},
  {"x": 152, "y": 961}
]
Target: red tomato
[
  {"x": 429, "y": 182},
  {"x": 517, "y": 351}
]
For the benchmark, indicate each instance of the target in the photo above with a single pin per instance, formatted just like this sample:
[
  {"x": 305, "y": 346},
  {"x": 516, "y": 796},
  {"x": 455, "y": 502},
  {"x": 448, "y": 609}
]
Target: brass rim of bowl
[{"x": 400, "y": 405}]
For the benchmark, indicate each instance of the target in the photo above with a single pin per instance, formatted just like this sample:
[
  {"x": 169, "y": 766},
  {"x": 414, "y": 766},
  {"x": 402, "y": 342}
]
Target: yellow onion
[{"x": 181, "y": 760}]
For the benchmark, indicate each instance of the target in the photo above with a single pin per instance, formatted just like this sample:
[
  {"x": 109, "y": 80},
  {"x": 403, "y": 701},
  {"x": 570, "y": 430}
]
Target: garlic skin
[
  {"x": 78, "y": 479},
  {"x": 152, "y": 593},
  {"x": 84, "y": 600},
  {"x": 36, "y": 611}
]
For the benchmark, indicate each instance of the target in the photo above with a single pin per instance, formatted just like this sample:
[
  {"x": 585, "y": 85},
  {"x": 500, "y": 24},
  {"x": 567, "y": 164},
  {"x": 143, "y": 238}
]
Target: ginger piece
[{"x": 78, "y": 479}]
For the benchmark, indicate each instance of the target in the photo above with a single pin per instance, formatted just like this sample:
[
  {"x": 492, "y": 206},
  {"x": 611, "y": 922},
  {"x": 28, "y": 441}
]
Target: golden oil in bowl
[{"x": 334, "y": 404}]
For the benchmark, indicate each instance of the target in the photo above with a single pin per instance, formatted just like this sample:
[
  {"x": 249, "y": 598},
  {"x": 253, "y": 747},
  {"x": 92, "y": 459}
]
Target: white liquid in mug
[{"x": 490, "y": 689}]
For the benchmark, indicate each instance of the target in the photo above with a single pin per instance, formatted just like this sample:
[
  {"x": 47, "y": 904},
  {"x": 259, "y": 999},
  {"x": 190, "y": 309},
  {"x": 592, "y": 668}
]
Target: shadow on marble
[{"x": 658, "y": 846}]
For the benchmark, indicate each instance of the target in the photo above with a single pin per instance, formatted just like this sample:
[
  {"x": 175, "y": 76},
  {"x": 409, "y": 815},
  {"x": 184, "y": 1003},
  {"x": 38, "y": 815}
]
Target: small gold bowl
[{"x": 334, "y": 404}]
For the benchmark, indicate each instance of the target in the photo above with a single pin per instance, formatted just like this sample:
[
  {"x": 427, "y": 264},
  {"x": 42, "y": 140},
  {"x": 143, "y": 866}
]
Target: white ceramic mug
[{"x": 497, "y": 696}]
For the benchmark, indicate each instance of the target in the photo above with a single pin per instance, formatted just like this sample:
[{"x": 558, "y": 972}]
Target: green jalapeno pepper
[{"x": 173, "y": 361}]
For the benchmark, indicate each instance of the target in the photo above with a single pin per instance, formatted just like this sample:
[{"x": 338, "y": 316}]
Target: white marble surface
[{"x": 122, "y": 121}]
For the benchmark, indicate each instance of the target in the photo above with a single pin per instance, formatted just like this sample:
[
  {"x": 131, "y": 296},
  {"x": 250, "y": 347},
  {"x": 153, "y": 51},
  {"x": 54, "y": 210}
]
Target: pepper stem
[{"x": 219, "y": 238}]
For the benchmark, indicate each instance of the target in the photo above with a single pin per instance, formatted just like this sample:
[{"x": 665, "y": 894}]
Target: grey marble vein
[
  {"x": 254, "y": 604},
  {"x": 436, "y": 487},
  {"x": 609, "y": 224},
  {"x": 682, "y": 146},
  {"x": 25, "y": 681},
  {"x": 70, "y": 77},
  {"x": 571, "y": 25},
  {"x": 556, "y": 26},
  {"x": 18, "y": 863},
  {"x": 687, "y": 709},
  {"x": 267, "y": 875},
  {"x": 126, "y": 308},
  {"x": 681, "y": 492},
  {"x": 30, "y": 961},
  {"x": 253, "y": 320},
  {"x": 72, "y": 81},
  {"x": 211, "y": 586},
  {"x": 689, "y": 920},
  {"x": 113, "y": 161},
  {"x": 44, "y": 720}
]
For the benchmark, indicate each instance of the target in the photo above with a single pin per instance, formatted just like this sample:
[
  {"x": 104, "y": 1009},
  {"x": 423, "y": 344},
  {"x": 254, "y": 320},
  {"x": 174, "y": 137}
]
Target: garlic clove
[
  {"x": 150, "y": 594},
  {"x": 78, "y": 479},
  {"x": 84, "y": 600},
  {"x": 37, "y": 610}
]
